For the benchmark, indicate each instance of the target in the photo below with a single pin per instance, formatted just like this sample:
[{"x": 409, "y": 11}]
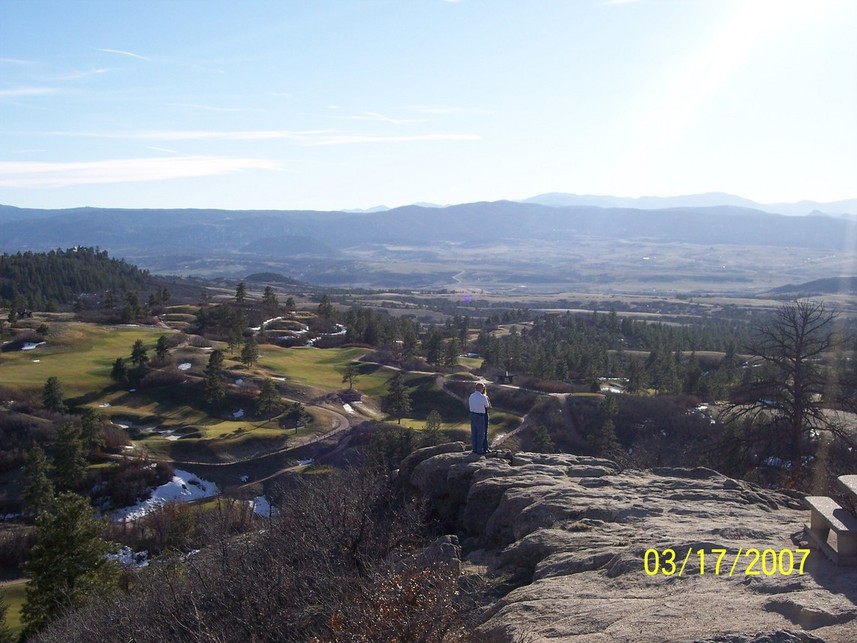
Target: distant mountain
[
  {"x": 503, "y": 242},
  {"x": 829, "y": 286},
  {"x": 712, "y": 199}
]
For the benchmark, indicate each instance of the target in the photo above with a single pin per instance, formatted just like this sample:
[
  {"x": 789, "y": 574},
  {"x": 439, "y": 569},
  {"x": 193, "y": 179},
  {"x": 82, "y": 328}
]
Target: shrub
[{"x": 133, "y": 480}]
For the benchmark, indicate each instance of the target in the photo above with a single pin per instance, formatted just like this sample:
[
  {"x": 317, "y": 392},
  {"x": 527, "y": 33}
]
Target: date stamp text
[{"x": 722, "y": 562}]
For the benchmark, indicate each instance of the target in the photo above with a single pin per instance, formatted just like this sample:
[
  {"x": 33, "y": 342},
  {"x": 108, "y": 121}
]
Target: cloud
[
  {"x": 57, "y": 175},
  {"x": 17, "y": 92},
  {"x": 447, "y": 109},
  {"x": 310, "y": 138},
  {"x": 349, "y": 139},
  {"x": 129, "y": 54},
  {"x": 374, "y": 116}
]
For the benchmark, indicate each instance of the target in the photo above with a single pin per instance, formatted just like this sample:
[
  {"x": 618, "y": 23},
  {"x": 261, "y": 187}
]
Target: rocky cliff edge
[{"x": 582, "y": 551}]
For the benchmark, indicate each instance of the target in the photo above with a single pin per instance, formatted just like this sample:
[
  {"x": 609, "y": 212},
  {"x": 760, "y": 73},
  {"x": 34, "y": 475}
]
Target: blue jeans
[{"x": 479, "y": 432}]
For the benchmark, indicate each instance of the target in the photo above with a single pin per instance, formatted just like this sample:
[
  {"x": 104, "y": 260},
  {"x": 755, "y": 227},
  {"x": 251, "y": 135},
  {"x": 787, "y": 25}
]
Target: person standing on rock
[{"x": 479, "y": 404}]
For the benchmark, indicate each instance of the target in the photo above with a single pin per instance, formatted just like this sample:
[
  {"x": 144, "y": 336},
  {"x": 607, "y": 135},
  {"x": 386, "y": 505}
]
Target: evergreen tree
[
  {"x": 601, "y": 436},
  {"x": 542, "y": 442},
  {"x": 6, "y": 635},
  {"x": 450, "y": 352},
  {"x": 119, "y": 372},
  {"x": 397, "y": 401},
  {"x": 325, "y": 308},
  {"x": 250, "y": 352},
  {"x": 91, "y": 430},
  {"x": 240, "y": 293},
  {"x": 139, "y": 354},
  {"x": 433, "y": 346},
  {"x": 52, "y": 396},
  {"x": 268, "y": 402},
  {"x": 269, "y": 298},
  {"x": 67, "y": 564},
  {"x": 38, "y": 490},
  {"x": 215, "y": 384},
  {"x": 162, "y": 348},
  {"x": 69, "y": 457},
  {"x": 131, "y": 310}
]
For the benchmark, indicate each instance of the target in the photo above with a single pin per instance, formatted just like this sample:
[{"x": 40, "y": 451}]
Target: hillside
[
  {"x": 62, "y": 276},
  {"x": 495, "y": 245}
]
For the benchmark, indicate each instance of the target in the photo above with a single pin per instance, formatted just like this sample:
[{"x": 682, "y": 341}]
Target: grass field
[
  {"x": 13, "y": 597},
  {"x": 319, "y": 368},
  {"x": 172, "y": 422},
  {"x": 79, "y": 355}
]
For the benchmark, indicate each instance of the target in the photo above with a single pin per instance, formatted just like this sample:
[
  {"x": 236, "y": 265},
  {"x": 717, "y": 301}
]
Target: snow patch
[
  {"x": 261, "y": 507},
  {"x": 238, "y": 414},
  {"x": 184, "y": 487},
  {"x": 184, "y": 366},
  {"x": 129, "y": 558}
]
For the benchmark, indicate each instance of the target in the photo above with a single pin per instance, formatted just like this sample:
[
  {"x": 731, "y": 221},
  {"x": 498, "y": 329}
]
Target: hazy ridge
[{"x": 486, "y": 244}]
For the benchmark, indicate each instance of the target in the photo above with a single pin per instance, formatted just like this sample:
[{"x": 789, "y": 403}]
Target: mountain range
[{"x": 488, "y": 244}]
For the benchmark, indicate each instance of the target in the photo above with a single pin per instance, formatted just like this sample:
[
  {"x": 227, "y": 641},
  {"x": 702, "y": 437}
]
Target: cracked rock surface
[{"x": 570, "y": 534}]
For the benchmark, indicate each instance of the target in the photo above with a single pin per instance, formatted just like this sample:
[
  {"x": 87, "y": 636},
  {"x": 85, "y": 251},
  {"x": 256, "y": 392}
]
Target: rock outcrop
[{"x": 588, "y": 550}]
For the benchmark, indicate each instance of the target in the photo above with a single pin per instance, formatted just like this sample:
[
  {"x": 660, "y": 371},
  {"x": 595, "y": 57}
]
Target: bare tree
[{"x": 782, "y": 402}]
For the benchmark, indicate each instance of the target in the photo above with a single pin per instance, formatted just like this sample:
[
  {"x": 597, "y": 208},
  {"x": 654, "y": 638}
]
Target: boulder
[{"x": 585, "y": 552}]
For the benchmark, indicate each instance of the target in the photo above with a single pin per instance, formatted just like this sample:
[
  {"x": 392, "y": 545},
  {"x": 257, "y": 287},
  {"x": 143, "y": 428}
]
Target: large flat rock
[{"x": 574, "y": 533}]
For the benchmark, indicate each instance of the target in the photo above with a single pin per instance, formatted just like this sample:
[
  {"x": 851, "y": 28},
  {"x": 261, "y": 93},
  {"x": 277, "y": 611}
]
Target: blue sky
[{"x": 327, "y": 104}]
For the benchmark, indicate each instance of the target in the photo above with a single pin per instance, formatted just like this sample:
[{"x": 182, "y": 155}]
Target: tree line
[{"x": 39, "y": 281}]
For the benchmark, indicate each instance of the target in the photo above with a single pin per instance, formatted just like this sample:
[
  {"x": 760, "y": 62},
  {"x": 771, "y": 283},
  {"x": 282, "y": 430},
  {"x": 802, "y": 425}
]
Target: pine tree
[
  {"x": 240, "y": 293},
  {"x": 542, "y": 442},
  {"x": 215, "y": 386},
  {"x": 397, "y": 401},
  {"x": 91, "y": 430},
  {"x": 269, "y": 401},
  {"x": 162, "y": 348},
  {"x": 67, "y": 564},
  {"x": 119, "y": 372},
  {"x": 250, "y": 352},
  {"x": 38, "y": 490},
  {"x": 6, "y": 635},
  {"x": 69, "y": 459},
  {"x": 269, "y": 298},
  {"x": 52, "y": 396},
  {"x": 325, "y": 308},
  {"x": 139, "y": 354}
]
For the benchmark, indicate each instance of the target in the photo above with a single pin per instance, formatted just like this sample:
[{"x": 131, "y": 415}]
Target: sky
[{"x": 346, "y": 104}]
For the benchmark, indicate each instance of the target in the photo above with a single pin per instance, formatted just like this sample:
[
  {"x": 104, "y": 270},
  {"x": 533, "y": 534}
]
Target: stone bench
[
  {"x": 849, "y": 483},
  {"x": 827, "y": 515}
]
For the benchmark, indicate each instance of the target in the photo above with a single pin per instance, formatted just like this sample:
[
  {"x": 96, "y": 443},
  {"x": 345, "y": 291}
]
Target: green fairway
[
  {"x": 321, "y": 368},
  {"x": 13, "y": 597},
  {"x": 79, "y": 355}
]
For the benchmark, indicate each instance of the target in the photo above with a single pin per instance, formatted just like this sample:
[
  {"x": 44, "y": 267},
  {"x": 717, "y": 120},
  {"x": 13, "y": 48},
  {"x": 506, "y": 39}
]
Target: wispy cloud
[
  {"x": 374, "y": 116},
  {"x": 349, "y": 139},
  {"x": 608, "y": 2},
  {"x": 15, "y": 61},
  {"x": 18, "y": 92},
  {"x": 311, "y": 138},
  {"x": 59, "y": 175},
  {"x": 447, "y": 109},
  {"x": 77, "y": 75},
  {"x": 129, "y": 54}
]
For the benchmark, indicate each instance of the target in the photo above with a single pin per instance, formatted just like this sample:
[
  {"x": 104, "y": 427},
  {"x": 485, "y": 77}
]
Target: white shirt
[{"x": 478, "y": 402}]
